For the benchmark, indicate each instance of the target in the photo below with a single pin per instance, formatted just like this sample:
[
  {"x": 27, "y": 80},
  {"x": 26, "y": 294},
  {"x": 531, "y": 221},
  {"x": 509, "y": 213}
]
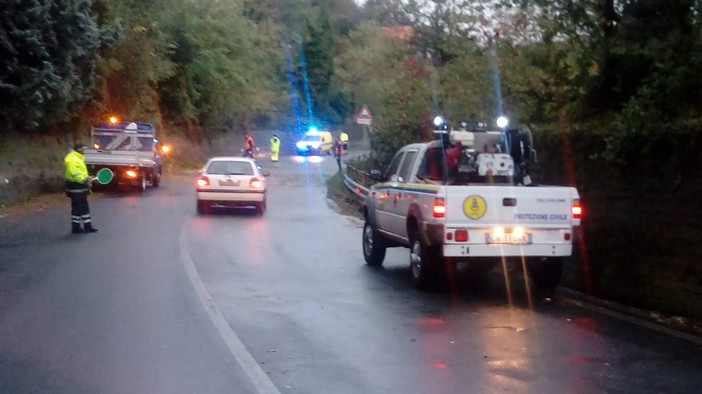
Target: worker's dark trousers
[{"x": 80, "y": 210}]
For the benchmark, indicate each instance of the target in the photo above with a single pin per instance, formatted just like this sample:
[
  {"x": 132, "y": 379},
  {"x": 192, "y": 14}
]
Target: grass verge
[{"x": 346, "y": 202}]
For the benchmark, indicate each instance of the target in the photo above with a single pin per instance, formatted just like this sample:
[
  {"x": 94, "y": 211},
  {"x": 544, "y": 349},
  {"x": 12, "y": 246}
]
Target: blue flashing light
[{"x": 313, "y": 129}]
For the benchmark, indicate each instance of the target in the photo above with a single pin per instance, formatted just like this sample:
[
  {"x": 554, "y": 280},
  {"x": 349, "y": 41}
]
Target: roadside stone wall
[
  {"x": 22, "y": 187},
  {"x": 642, "y": 252},
  {"x": 639, "y": 243}
]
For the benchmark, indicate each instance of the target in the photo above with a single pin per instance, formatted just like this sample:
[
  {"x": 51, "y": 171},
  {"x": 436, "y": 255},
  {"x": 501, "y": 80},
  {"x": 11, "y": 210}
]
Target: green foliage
[
  {"x": 368, "y": 65},
  {"x": 213, "y": 48},
  {"x": 132, "y": 68},
  {"x": 386, "y": 12},
  {"x": 466, "y": 88},
  {"x": 406, "y": 115},
  {"x": 318, "y": 63},
  {"x": 48, "y": 53}
]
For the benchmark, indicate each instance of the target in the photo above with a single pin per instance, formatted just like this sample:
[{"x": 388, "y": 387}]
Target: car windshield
[
  {"x": 312, "y": 137},
  {"x": 222, "y": 167}
]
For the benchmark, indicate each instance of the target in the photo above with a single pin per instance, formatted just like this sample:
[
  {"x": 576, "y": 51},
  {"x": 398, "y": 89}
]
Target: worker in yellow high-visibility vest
[
  {"x": 344, "y": 140},
  {"x": 78, "y": 184},
  {"x": 275, "y": 147}
]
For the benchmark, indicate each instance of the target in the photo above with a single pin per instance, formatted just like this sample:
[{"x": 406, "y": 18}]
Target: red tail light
[
  {"x": 203, "y": 181},
  {"x": 255, "y": 183},
  {"x": 439, "y": 208},
  {"x": 576, "y": 210},
  {"x": 461, "y": 235},
  {"x": 131, "y": 173}
]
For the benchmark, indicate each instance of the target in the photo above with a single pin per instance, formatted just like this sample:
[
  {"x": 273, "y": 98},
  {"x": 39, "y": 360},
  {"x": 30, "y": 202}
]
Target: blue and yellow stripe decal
[{"x": 408, "y": 187}]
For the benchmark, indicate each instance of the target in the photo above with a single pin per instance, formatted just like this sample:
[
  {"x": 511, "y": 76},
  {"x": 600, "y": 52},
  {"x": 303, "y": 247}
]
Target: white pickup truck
[
  {"x": 129, "y": 149},
  {"x": 469, "y": 206}
]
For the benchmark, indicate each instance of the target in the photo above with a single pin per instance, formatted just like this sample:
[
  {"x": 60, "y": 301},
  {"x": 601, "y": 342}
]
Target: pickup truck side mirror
[{"x": 376, "y": 175}]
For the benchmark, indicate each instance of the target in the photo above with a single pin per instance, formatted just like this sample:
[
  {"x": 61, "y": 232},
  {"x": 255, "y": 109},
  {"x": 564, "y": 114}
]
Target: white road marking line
[
  {"x": 640, "y": 322},
  {"x": 258, "y": 377}
]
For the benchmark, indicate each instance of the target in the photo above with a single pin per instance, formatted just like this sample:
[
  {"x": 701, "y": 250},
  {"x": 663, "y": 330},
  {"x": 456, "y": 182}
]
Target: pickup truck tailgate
[
  {"x": 119, "y": 158},
  {"x": 540, "y": 206},
  {"x": 509, "y": 221}
]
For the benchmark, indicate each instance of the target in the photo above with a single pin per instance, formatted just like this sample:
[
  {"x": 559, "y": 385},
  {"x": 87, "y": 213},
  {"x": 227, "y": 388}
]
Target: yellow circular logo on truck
[{"x": 474, "y": 207}]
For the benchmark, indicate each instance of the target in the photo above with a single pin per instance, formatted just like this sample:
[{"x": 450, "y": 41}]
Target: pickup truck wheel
[
  {"x": 546, "y": 272},
  {"x": 156, "y": 178},
  {"x": 142, "y": 183},
  {"x": 423, "y": 264},
  {"x": 373, "y": 246}
]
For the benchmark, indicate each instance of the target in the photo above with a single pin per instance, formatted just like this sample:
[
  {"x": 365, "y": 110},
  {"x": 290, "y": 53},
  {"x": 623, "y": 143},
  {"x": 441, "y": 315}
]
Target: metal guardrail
[{"x": 356, "y": 181}]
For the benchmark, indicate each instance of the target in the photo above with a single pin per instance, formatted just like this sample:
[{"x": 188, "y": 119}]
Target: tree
[
  {"x": 131, "y": 70},
  {"x": 318, "y": 63},
  {"x": 386, "y": 12},
  {"x": 406, "y": 113},
  {"x": 48, "y": 54},
  {"x": 368, "y": 65},
  {"x": 226, "y": 66}
]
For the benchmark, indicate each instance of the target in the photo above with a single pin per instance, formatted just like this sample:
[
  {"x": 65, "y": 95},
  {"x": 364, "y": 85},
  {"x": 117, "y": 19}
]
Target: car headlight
[{"x": 300, "y": 145}]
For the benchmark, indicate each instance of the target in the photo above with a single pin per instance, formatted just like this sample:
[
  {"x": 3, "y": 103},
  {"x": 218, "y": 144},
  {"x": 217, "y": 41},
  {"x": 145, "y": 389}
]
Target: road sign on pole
[{"x": 364, "y": 117}]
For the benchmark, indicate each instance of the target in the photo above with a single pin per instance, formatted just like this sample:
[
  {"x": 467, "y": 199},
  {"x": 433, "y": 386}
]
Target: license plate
[
  {"x": 228, "y": 182},
  {"x": 508, "y": 238}
]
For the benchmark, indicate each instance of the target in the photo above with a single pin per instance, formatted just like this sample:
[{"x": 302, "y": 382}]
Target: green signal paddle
[{"x": 104, "y": 176}]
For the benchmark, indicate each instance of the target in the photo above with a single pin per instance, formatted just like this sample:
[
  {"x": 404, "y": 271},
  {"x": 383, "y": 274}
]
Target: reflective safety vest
[
  {"x": 76, "y": 171},
  {"x": 344, "y": 137},
  {"x": 275, "y": 144}
]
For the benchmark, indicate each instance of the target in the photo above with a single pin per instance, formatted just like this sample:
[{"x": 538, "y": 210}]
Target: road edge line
[
  {"x": 258, "y": 377},
  {"x": 568, "y": 298}
]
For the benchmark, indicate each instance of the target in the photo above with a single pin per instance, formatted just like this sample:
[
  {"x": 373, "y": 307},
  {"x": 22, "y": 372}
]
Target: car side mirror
[{"x": 376, "y": 175}]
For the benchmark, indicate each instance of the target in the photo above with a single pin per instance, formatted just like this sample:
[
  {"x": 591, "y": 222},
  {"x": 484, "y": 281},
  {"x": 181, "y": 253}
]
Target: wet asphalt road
[{"x": 162, "y": 300}]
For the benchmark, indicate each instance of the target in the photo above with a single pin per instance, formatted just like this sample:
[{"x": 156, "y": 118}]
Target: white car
[{"x": 231, "y": 182}]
